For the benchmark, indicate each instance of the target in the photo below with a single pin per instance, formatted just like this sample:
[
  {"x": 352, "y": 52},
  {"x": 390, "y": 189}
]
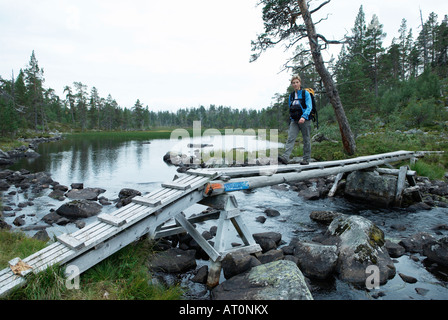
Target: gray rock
[
  {"x": 18, "y": 221},
  {"x": 278, "y": 280},
  {"x": 201, "y": 275},
  {"x": 324, "y": 217},
  {"x": 361, "y": 244},
  {"x": 85, "y": 194},
  {"x": 30, "y": 153},
  {"x": 372, "y": 187},
  {"x": 173, "y": 260},
  {"x": 267, "y": 240},
  {"x": 4, "y": 185},
  {"x": 308, "y": 194},
  {"x": 415, "y": 242},
  {"x": 51, "y": 218},
  {"x": 407, "y": 278},
  {"x": 237, "y": 263},
  {"x": 394, "y": 249},
  {"x": 79, "y": 209},
  {"x": 42, "y": 235},
  {"x": 271, "y": 256},
  {"x": 125, "y": 196},
  {"x": 316, "y": 260},
  {"x": 437, "y": 251},
  {"x": 272, "y": 212},
  {"x": 57, "y": 194},
  {"x": 261, "y": 219}
]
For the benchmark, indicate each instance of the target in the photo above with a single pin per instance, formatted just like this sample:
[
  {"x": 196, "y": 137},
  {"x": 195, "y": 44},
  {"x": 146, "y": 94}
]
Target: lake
[{"x": 114, "y": 162}]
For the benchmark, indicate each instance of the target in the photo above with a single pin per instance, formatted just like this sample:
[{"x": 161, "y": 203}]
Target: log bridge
[{"x": 159, "y": 214}]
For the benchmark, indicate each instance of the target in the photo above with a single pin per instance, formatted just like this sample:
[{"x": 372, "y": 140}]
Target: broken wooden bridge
[{"x": 160, "y": 214}]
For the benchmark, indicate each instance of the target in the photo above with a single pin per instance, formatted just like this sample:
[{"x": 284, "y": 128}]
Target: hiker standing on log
[{"x": 299, "y": 110}]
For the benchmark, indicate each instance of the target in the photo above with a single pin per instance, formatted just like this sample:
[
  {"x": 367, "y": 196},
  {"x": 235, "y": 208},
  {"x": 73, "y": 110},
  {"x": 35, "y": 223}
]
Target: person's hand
[{"x": 302, "y": 120}]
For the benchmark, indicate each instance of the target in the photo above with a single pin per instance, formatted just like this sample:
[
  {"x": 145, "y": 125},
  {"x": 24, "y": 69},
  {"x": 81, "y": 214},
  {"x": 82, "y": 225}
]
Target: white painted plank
[
  {"x": 112, "y": 220},
  {"x": 150, "y": 202},
  {"x": 174, "y": 185},
  {"x": 70, "y": 241},
  {"x": 212, "y": 253}
]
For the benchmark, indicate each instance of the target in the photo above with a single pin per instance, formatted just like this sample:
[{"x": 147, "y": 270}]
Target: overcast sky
[{"x": 171, "y": 54}]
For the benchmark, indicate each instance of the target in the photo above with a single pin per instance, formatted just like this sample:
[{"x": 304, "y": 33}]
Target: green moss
[{"x": 376, "y": 236}]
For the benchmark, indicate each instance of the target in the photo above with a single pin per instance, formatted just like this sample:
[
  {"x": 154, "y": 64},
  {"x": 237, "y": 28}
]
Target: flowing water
[{"x": 116, "y": 163}]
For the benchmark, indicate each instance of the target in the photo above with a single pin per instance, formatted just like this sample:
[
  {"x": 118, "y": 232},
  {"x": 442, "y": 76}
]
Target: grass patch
[
  {"x": 432, "y": 171},
  {"x": 16, "y": 244}
]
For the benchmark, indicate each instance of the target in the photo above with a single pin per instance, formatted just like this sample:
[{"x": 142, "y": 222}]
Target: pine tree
[
  {"x": 138, "y": 116},
  {"x": 81, "y": 103},
  {"x": 374, "y": 49},
  {"x": 34, "y": 79}
]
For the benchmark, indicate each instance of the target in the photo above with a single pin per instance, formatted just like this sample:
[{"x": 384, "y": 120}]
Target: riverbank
[{"x": 27, "y": 148}]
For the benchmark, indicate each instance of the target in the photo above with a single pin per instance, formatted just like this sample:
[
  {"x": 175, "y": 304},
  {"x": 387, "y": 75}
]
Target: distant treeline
[{"x": 371, "y": 80}]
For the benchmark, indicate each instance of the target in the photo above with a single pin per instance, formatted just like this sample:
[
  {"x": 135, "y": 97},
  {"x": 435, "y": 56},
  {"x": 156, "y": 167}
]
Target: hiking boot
[
  {"x": 304, "y": 163},
  {"x": 282, "y": 160}
]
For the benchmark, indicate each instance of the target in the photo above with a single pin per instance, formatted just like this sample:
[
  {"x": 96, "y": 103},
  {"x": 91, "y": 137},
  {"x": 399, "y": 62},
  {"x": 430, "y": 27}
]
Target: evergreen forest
[{"x": 401, "y": 86}]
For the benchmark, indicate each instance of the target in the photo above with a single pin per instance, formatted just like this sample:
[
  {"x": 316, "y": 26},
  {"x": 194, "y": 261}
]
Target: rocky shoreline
[
  {"x": 343, "y": 247},
  {"x": 10, "y": 157}
]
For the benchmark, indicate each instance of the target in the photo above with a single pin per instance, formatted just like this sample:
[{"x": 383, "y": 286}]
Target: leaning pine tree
[{"x": 280, "y": 23}]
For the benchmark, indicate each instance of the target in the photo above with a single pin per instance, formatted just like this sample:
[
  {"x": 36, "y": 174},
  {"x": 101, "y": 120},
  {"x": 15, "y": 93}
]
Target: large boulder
[
  {"x": 5, "y": 159},
  {"x": 437, "y": 251},
  {"x": 316, "y": 260},
  {"x": 278, "y": 280},
  {"x": 173, "y": 260},
  {"x": 360, "y": 244},
  {"x": 79, "y": 209},
  {"x": 372, "y": 187}
]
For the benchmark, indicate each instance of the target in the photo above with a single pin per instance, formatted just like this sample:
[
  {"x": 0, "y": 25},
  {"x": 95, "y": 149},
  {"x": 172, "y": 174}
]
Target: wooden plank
[
  {"x": 243, "y": 231},
  {"x": 70, "y": 241},
  {"x": 212, "y": 253},
  {"x": 334, "y": 188},
  {"x": 169, "y": 230},
  {"x": 416, "y": 195},
  {"x": 400, "y": 185},
  {"x": 203, "y": 172},
  {"x": 174, "y": 185},
  {"x": 395, "y": 172},
  {"x": 112, "y": 220},
  {"x": 150, "y": 202}
]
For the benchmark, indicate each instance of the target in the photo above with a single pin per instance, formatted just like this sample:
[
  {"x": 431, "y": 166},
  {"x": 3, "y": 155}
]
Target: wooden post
[
  {"x": 400, "y": 185},
  {"x": 333, "y": 189}
]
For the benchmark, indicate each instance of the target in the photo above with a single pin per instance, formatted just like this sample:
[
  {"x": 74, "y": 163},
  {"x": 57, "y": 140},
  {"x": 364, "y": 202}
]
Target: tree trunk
[{"x": 348, "y": 139}]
